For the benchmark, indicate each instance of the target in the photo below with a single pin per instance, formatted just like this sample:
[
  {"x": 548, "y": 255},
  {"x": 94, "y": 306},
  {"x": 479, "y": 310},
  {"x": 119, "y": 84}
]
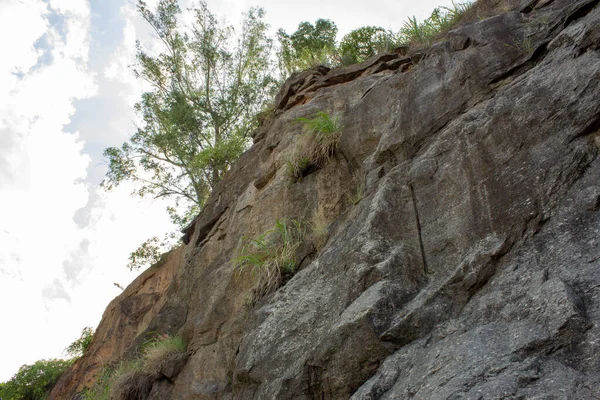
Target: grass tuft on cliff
[
  {"x": 325, "y": 131},
  {"x": 441, "y": 20},
  {"x": 134, "y": 379},
  {"x": 316, "y": 146},
  {"x": 271, "y": 256}
]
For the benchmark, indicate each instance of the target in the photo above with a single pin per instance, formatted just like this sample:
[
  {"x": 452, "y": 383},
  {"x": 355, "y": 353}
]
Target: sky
[{"x": 67, "y": 93}]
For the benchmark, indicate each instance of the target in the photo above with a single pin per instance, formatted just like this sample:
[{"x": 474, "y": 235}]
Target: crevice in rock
[
  {"x": 580, "y": 12},
  {"x": 524, "y": 65},
  {"x": 205, "y": 229},
  {"x": 418, "y": 226},
  {"x": 529, "y": 7},
  {"x": 592, "y": 127}
]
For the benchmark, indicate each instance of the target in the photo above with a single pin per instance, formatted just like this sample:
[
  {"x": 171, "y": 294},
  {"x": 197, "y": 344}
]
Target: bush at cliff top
[
  {"x": 366, "y": 42},
  {"x": 34, "y": 382}
]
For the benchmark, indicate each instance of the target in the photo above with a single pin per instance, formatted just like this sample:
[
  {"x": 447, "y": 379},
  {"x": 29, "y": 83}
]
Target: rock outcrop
[{"x": 467, "y": 264}]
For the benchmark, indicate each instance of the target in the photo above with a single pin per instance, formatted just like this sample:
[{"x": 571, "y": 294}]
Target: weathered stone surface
[
  {"x": 161, "y": 390},
  {"x": 470, "y": 266},
  {"x": 173, "y": 366}
]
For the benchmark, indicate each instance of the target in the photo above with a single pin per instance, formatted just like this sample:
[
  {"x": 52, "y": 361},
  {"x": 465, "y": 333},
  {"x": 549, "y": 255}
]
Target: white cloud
[
  {"x": 119, "y": 68},
  {"x": 79, "y": 8},
  {"x": 22, "y": 35},
  {"x": 43, "y": 167},
  {"x": 56, "y": 274}
]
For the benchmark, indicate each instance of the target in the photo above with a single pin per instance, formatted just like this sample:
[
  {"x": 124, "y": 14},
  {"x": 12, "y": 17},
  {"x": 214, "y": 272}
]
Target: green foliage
[
  {"x": 134, "y": 379},
  {"x": 103, "y": 384},
  {"x": 271, "y": 256},
  {"x": 206, "y": 88},
  {"x": 80, "y": 346},
  {"x": 324, "y": 133},
  {"x": 297, "y": 167},
  {"x": 322, "y": 124},
  {"x": 442, "y": 19},
  {"x": 148, "y": 253},
  {"x": 315, "y": 146},
  {"x": 34, "y": 382},
  {"x": 366, "y": 42},
  {"x": 310, "y": 45},
  {"x": 313, "y": 45},
  {"x": 156, "y": 351}
]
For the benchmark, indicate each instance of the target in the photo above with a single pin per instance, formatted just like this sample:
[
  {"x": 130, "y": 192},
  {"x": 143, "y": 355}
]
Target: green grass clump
[
  {"x": 325, "y": 131},
  {"x": 271, "y": 256},
  {"x": 297, "y": 167},
  {"x": 134, "y": 379},
  {"x": 524, "y": 45},
  {"x": 441, "y": 20},
  {"x": 316, "y": 146},
  {"x": 101, "y": 389}
]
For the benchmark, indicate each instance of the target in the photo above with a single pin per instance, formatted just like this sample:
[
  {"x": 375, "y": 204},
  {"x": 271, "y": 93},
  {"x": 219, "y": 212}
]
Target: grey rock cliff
[{"x": 469, "y": 269}]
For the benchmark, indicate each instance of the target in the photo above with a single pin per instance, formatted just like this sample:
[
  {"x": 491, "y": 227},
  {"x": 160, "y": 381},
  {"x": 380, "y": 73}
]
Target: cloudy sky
[{"x": 66, "y": 93}]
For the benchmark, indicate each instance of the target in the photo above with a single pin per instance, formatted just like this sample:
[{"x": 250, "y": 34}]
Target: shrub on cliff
[
  {"x": 310, "y": 45},
  {"x": 366, "y": 42},
  {"x": 80, "y": 346},
  {"x": 324, "y": 131}
]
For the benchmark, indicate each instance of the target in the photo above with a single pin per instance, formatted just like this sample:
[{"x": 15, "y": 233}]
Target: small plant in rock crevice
[
  {"x": 102, "y": 386},
  {"x": 271, "y": 256},
  {"x": 523, "y": 45},
  {"x": 297, "y": 167}
]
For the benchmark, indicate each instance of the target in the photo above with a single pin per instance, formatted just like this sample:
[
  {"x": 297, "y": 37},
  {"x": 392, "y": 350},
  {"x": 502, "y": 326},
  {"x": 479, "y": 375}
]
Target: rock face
[
  {"x": 125, "y": 318},
  {"x": 468, "y": 266}
]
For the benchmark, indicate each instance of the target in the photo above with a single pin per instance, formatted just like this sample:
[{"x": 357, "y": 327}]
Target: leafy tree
[
  {"x": 310, "y": 45},
  {"x": 366, "y": 42},
  {"x": 80, "y": 346},
  {"x": 207, "y": 84},
  {"x": 34, "y": 382}
]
